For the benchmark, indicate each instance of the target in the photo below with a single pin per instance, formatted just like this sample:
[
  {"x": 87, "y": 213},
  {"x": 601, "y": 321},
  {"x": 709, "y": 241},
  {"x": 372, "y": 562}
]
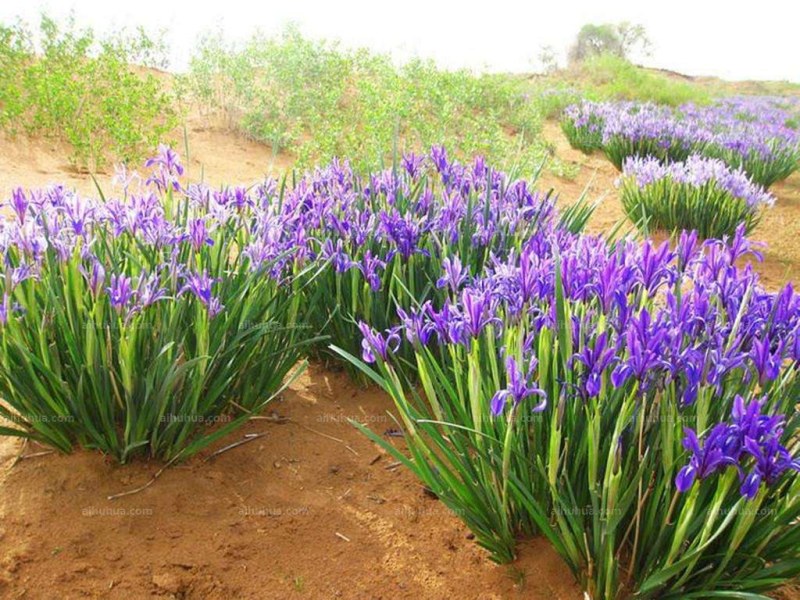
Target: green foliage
[
  {"x": 551, "y": 100},
  {"x": 763, "y": 168},
  {"x": 615, "y": 39},
  {"x": 615, "y": 78},
  {"x": 317, "y": 101},
  {"x": 586, "y": 138},
  {"x": 619, "y": 147},
  {"x": 166, "y": 379},
  {"x": 672, "y": 206},
  {"x": 65, "y": 84},
  {"x": 608, "y": 507}
]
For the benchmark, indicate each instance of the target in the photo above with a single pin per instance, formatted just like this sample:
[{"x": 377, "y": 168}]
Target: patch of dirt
[
  {"x": 215, "y": 155},
  {"x": 312, "y": 509}
]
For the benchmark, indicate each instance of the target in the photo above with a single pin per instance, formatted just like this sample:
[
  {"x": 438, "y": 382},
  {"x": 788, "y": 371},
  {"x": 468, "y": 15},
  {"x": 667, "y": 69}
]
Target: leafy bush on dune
[
  {"x": 614, "y": 78},
  {"x": 65, "y": 84},
  {"x": 319, "y": 101}
]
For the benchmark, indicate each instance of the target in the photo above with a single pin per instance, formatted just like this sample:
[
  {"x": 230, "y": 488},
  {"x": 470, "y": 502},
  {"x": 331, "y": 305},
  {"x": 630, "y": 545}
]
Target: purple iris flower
[
  {"x": 95, "y": 277},
  {"x": 20, "y": 203},
  {"x": 645, "y": 340},
  {"x": 336, "y": 254},
  {"x": 199, "y": 284},
  {"x": 686, "y": 249},
  {"x": 198, "y": 233},
  {"x": 518, "y": 388},
  {"x": 596, "y": 359},
  {"x": 120, "y": 291},
  {"x": 766, "y": 361},
  {"x": 750, "y": 440},
  {"x": 455, "y": 275},
  {"x": 708, "y": 458},
  {"x": 478, "y": 312},
  {"x": 376, "y": 344},
  {"x": 149, "y": 290},
  {"x": 80, "y": 213},
  {"x": 416, "y": 327},
  {"x": 439, "y": 159},
  {"x": 412, "y": 163},
  {"x": 771, "y": 461},
  {"x": 23, "y": 272},
  {"x": 168, "y": 169},
  {"x": 369, "y": 267},
  {"x": 654, "y": 266}
]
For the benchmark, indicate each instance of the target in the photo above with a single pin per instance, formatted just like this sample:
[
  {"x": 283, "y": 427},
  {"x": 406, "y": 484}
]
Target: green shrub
[
  {"x": 65, "y": 84},
  {"x": 615, "y": 78},
  {"x": 319, "y": 101}
]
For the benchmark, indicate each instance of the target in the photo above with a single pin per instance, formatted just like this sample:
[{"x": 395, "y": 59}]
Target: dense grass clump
[
  {"x": 634, "y": 404},
  {"x": 758, "y": 135},
  {"x": 317, "y": 101},
  {"x": 583, "y": 124},
  {"x": 647, "y": 130},
  {"x": 66, "y": 84},
  {"x": 136, "y": 325},
  {"x": 384, "y": 239},
  {"x": 700, "y": 194}
]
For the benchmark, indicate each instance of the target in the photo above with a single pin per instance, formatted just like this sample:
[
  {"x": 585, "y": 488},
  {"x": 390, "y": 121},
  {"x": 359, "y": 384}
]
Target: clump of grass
[
  {"x": 583, "y": 124},
  {"x": 136, "y": 325},
  {"x": 634, "y": 404},
  {"x": 700, "y": 194}
]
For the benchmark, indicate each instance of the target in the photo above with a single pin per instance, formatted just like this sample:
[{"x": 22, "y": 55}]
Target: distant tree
[
  {"x": 619, "y": 39},
  {"x": 634, "y": 39},
  {"x": 547, "y": 59}
]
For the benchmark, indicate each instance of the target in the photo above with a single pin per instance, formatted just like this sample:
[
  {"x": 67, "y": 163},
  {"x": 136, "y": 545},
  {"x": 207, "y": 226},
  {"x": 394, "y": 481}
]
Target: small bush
[
  {"x": 701, "y": 194},
  {"x": 65, "y": 84},
  {"x": 319, "y": 101},
  {"x": 136, "y": 325},
  {"x": 615, "y": 78}
]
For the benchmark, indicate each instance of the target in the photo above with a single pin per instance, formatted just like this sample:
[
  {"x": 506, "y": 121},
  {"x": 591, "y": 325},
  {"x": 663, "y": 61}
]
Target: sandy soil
[
  {"x": 215, "y": 155},
  {"x": 311, "y": 509}
]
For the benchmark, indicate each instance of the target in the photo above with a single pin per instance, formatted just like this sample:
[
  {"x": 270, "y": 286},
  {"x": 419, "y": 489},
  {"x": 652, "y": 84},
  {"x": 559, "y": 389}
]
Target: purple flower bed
[
  {"x": 633, "y": 403},
  {"x": 701, "y": 194},
  {"x": 760, "y": 135}
]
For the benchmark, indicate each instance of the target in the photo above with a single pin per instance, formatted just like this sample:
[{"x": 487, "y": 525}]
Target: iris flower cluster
[
  {"x": 575, "y": 367},
  {"x": 699, "y": 193},
  {"x": 686, "y": 318},
  {"x": 758, "y": 135},
  {"x": 749, "y": 439},
  {"x": 384, "y": 238}
]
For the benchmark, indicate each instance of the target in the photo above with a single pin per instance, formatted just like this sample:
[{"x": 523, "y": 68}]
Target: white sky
[{"x": 758, "y": 39}]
